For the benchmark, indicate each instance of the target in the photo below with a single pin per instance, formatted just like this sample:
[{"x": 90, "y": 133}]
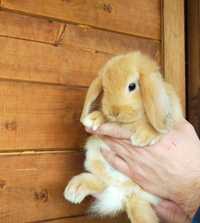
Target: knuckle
[
  {"x": 165, "y": 141},
  {"x": 142, "y": 151},
  {"x": 188, "y": 127},
  {"x": 114, "y": 162},
  {"x": 137, "y": 173}
]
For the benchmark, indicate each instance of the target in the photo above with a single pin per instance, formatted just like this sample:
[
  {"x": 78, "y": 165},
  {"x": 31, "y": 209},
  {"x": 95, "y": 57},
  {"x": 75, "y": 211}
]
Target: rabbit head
[{"x": 133, "y": 89}]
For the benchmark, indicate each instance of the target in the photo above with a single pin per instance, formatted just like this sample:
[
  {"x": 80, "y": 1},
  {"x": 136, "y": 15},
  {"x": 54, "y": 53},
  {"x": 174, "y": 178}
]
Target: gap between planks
[
  {"x": 74, "y": 23},
  {"x": 39, "y": 152},
  {"x": 29, "y": 40},
  {"x": 67, "y": 86},
  {"x": 61, "y": 218},
  {"x": 58, "y": 42}
]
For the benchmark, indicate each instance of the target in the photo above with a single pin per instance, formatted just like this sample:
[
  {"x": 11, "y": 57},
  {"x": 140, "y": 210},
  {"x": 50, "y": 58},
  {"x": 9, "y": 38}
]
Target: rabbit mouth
[
  {"x": 122, "y": 120},
  {"x": 126, "y": 117}
]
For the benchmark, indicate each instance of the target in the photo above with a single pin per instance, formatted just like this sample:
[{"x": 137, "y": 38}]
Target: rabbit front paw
[
  {"x": 93, "y": 120},
  {"x": 81, "y": 186},
  {"x": 144, "y": 138},
  {"x": 76, "y": 190}
]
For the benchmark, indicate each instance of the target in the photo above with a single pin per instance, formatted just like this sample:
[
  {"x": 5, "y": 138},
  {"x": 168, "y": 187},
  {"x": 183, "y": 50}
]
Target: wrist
[{"x": 189, "y": 197}]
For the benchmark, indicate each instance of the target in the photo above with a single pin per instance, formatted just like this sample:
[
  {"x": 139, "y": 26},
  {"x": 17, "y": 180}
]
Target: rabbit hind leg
[{"x": 140, "y": 211}]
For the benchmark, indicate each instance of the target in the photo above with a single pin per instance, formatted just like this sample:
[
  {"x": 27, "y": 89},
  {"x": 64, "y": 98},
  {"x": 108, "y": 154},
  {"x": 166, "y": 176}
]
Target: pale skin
[{"x": 169, "y": 168}]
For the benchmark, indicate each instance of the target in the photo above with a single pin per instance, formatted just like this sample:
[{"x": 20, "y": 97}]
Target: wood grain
[
  {"x": 193, "y": 69},
  {"x": 31, "y": 61},
  {"x": 68, "y": 63},
  {"x": 83, "y": 219},
  {"x": 32, "y": 185},
  {"x": 108, "y": 42},
  {"x": 29, "y": 28},
  {"x": 140, "y": 18},
  {"x": 174, "y": 45},
  {"x": 37, "y": 116}
]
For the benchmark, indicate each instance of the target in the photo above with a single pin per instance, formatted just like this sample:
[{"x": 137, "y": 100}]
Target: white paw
[
  {"x": 138, "y": 141},
  {"x": 142, "y": 138},
  {"x": 75, "y": 191},
  {"x": 93, "y": 120}
]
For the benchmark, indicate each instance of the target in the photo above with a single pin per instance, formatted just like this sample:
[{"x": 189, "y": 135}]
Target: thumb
[{"x": 170, "y": 212}]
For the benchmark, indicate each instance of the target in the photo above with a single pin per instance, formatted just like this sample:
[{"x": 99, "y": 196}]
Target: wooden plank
[
  {"x": 37, "y": 116},
  {"x": 32, "y": 185},
  {"x": 30, "y": 28},
  {"x": 83, "y": 219},
  {"x": 140, "y": 18},
  {"x": 108, "y": 42},
  {"x": 173, "y": 45},
  {"x": 193, "y": 69},
  {"x": 30, "y": 61},
  {"x": 68, "y": 63}
]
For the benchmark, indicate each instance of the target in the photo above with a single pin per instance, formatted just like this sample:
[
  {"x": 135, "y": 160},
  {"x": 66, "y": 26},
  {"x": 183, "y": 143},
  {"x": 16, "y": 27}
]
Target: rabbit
[{"x": 133, "y": 94}]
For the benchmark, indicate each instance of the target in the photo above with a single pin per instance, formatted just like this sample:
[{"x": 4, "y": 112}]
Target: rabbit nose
[{"x": 115, "y": 111}]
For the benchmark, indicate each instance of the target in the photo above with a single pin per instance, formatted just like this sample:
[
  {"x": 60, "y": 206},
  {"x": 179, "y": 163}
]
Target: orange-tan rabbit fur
[{"x": 133, "y": 95}]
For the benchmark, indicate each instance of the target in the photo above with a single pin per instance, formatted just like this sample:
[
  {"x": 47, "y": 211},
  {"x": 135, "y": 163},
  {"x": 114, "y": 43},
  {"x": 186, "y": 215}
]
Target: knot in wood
[
  {"x": 2, "y": 184},
  {"x": 107, "y": 7},
  {"x": 11, "y": 125},
  {"x": 41, "y": 195}
]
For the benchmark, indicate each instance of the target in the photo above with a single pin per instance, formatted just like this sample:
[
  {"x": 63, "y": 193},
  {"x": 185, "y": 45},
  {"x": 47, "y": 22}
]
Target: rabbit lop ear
[
  {"x": 93, "y": 92},
  {"x": 156, "y": 101}
]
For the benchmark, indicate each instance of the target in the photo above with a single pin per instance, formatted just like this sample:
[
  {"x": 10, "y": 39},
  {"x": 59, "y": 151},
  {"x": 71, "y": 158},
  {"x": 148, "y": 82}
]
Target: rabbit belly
[
  {"x": 112, "y": 199},
  {"x": 110, "y": 202},
  {"x": 96, "y": 164}
]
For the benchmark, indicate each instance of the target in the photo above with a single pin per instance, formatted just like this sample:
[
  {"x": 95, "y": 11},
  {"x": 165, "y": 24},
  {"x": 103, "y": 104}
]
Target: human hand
[
  {"x": 169, "y": 212},
  {"x": 170, "y": 168}
]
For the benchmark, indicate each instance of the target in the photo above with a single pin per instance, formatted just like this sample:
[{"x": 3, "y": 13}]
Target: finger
[
  {"x": 132, "y": 154},
  {"x": 118, "y": 147},
  {"x": 138, "y": 162},
  {"x": 122, "y": 162},
  {"x": 170, "y": 212},
  {"x": 116, "y": 162},
  {"x": 139, "y": 155},
  {"x": 124, "y": 148},
  {"x": 114, "y": 130},
  {"x": 155, "y": 151},
  {"x": 153, "y": 184},
  {"x": 179, "y": 125}
]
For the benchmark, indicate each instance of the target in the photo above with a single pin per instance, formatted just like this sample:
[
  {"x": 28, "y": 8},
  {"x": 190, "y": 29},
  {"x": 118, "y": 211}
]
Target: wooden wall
[
  {"x": 193, "y": 62},
  {"x": 49, "y": 53}
]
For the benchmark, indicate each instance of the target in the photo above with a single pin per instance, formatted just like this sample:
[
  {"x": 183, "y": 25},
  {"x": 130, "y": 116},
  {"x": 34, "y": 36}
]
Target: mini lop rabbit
[{"x": 133, "y": 95}]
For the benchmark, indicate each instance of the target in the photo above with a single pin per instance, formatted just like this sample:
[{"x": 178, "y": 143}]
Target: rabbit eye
[{"x": 131, "y": 86}]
